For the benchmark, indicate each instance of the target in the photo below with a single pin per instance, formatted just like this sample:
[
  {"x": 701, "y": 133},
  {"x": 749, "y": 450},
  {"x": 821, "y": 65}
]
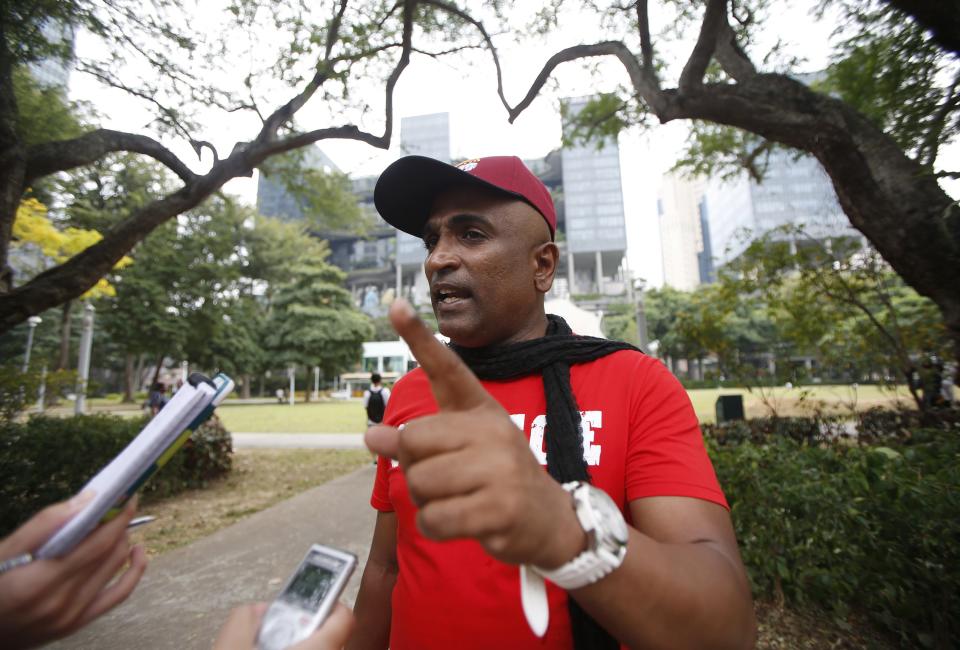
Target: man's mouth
[{"x": 450, "y": 295}]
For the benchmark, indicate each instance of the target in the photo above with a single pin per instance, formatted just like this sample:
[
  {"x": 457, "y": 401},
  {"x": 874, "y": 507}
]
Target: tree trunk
[
  {"x": 262, "y": 380},
  {"x": 13, "y": 165},
  {"x": 66, "y": 320},
  {"x": 245, "y": 389},
  {"x": 138, "y": 380},
  {"x": 128, "y": 374},
  {"x": 156, "y": 372}
]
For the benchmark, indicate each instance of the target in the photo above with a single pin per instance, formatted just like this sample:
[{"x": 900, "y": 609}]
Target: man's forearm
[
  {"x": 673, "y": 596},
  {"x": 372, "y": 610}
]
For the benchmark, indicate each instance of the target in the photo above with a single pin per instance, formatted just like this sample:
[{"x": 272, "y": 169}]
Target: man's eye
[
  {"x": 474, "y": 235},
  {"x": 429, "y": 243}
]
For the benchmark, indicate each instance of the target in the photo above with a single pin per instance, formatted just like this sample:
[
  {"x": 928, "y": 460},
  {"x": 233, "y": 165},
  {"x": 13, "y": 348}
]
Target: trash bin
[{"x": 729, "y": 408}]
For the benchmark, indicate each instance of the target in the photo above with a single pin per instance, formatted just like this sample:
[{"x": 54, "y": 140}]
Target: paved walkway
[
  {"x": 186, "y": 594},
  {"x": 298, "y": 440}
]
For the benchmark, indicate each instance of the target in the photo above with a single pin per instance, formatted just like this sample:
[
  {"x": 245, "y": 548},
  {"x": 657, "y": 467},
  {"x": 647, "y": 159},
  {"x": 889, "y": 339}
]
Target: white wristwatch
[{"x": 607, "y": 534}]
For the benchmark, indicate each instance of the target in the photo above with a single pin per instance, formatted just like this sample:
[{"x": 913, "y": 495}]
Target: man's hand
[
  {"x": 48, "y": 599},
  {"x": 470, "y": 470},
  {"x": 240, "y": 630}
]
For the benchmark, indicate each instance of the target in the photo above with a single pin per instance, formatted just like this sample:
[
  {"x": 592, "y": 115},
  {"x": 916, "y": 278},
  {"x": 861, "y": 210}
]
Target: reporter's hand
[
  {"x": 240, "y": 630},
  {"x": 49, "y": 599},
  {"x": 469, "y": 469}
]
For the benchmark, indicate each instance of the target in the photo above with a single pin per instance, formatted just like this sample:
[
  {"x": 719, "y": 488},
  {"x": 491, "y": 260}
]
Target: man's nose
[{"x": 442, "y": 257}]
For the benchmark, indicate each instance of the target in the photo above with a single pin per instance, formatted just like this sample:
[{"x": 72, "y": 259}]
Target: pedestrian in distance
[
  {"x": 522, "y": 453},
  {"x": 156, "y": 398},
  {"x": 375, "y": 400}
]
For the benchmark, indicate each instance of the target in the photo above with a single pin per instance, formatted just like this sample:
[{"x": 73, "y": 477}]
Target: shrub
[
  {"x": 47, "y": 459},
  {"x": 761, "y": 430},
  {"x": 878, "y": 424},
  {"x": 872, "y": 529}
]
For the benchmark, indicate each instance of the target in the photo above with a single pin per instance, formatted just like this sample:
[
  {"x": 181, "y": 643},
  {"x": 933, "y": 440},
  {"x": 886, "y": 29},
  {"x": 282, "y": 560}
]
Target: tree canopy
[
  {"x": 878, "y": 154},
  {"x": 161, "y": 53}
]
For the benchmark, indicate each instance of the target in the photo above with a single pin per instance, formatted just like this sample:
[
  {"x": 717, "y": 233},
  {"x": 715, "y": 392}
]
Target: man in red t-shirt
[{"x": 624, "y": 539}]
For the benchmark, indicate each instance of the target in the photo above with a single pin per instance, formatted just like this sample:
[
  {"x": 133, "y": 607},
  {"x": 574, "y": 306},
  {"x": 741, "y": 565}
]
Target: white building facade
[{"x": 682, "y": 241}]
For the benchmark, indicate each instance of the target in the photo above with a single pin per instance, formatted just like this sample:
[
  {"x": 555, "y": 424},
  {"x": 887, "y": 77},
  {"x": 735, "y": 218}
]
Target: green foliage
[
  {"x": 108, "y": 191},
  {"x": 314, "y": 321},
  {"x": 620, "y": 323},
  {"x": 43, "y": 114},
  {"x": 47, "y": 459},
  {"x": 600, "y": 120},
  {"x": 873, "y": 530},
  {"x": 839, "y": 299},
  {"x": 892, "y": 72},
  {"x": 715, "y": 150},
  {"x": 175, "y": 296},
  {"x": 325, "y": 198},
  {"x": 19, "y": 390}
]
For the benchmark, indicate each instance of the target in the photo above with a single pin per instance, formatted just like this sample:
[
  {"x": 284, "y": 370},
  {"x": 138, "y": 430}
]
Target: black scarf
[{"x": 553, "y": 355}]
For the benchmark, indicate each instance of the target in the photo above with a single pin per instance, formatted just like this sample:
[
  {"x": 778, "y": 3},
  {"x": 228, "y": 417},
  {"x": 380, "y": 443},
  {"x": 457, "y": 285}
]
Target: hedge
[
  {"x": 47, "y": 459},
  {"x": 846, "y": 527}
]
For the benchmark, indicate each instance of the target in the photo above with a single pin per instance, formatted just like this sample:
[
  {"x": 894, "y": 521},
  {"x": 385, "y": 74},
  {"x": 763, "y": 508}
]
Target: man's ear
[{"x": 546, "y": 256}]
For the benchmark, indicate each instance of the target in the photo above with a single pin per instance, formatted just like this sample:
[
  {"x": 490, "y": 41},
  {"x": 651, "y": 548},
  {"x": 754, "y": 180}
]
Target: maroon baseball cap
[{"x": 406, "y": 190}]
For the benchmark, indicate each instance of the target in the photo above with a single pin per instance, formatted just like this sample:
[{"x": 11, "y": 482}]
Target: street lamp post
[
  {"x": 33, "y": 321},
  {"x": 643, "y": 339},
  {"x": 83, "y": 365},
  {"x": 291, "y": 371}
]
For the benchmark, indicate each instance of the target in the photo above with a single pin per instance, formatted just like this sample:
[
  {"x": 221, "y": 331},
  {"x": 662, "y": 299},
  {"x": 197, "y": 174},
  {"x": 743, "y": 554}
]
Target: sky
[{"x": 478, "y": 121}]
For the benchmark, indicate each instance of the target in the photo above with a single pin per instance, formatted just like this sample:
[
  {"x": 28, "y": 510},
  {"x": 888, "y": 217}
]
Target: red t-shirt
[{"x": 641, "y": 439}]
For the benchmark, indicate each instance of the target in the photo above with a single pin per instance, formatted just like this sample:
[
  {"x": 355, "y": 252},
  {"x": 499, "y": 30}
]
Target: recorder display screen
[{"x": 312, "y": 582}]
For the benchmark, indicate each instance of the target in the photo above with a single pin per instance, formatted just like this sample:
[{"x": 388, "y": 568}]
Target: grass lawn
[
  {"x": 316, "y": 417},
  {"x": 800, "y": 400},
  {"x": 348, "y": 417},
  {"x": 259, "y": 479}
]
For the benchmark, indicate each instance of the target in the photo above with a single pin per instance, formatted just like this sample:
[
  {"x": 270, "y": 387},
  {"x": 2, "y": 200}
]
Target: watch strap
[
  {"x": 583, "y": 570},
  {"x": 533, "y": 597}
]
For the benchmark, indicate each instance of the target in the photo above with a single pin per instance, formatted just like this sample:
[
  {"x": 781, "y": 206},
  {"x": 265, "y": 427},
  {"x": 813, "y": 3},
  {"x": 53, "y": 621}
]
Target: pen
[
  {"x": 26, "y": 558},
  {"x": 139, "y": 521}
]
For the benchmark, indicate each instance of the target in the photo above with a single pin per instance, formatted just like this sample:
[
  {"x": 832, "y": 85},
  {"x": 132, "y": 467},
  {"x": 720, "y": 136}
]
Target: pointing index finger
[{"x": 453, "y": 384}]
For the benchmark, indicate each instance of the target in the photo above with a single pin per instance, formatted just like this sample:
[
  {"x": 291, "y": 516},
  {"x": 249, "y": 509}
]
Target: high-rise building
[
  {"x": 273, "y": 197},
  {"x": 684, "y": 239},
  {"x": 422, "y": 135},
  {"x": 594, "y": 228},
  {"x": 795, "y": 190},
  {"x": 426, "y": 135}
]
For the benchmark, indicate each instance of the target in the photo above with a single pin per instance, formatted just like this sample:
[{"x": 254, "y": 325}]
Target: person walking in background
[
  {"x": 375, "y": 400},
  {"x": 157, "y": 398}
]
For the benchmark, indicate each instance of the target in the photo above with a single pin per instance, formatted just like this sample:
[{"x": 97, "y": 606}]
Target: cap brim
[{"x": 407, "y": 188}]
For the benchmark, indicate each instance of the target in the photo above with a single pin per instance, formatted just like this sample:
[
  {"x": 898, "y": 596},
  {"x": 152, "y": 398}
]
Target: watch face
[{"x": 609, "y": 518}]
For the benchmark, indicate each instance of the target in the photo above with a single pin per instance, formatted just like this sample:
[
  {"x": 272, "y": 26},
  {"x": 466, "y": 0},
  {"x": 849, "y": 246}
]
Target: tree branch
[
  {"x": 730, "y": 55},
  {"x": 49, "y": 157},
  {"x": 646, "y": 43},
  {"x": 486, "y": 39},
  {"x": 713, "y": 19},
  {"x": 286, "y": 112},
  {"x": 641, "y": 82},
  {"x": 70, "y": 279},
  {"x": 169, "y": 113}
]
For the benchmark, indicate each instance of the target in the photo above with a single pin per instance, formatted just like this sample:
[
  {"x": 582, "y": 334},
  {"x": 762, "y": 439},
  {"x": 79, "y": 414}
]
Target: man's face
[{"x": 489, "y": 262}]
